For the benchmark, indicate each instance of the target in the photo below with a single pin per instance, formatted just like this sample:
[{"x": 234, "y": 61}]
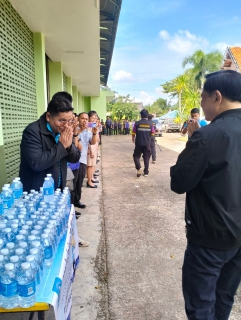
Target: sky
[{"x": 154, "y": 36}]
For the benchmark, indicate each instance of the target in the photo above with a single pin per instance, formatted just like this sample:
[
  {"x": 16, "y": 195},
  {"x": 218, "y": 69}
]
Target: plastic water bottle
[
  {"x": 9, "y": 287},
  {"x": 16, "y": 189},
  {"x": 1, "y": 243},
  {"x": 26, "y": 286},
  {"x": 20, "y": 253},
  {"x": 48, "y": 190},
  {"x": 36, "y": 269},
  {"x": 66, "y": 191},
  {"x": 7, "y": 198},
  {"x": 2, "y": 233},
  {"x": 11, "y": 247},
  {"x": 5, "y": 253},
  {"x": 23, "y": 245},
  {"x": 15, "y": 260},
  {"x": 36, "y": 234},
  {"x": 10, "y": 236},
  {"x": 37, "y": 245},
  {"x": 7, "y": 185},
  {"x": 24, "y": 233},
  {"x": 1, "y": 207},
  {"x": 20, "y": 186},
  {"x": 49, "y": 175},
  {"x": 37, "y": 256},
  {"x": 48, "y": 250}
]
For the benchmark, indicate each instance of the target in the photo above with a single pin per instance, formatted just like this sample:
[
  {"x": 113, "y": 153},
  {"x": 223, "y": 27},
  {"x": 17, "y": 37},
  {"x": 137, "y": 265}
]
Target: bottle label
[
  {"x": 48, "y": 252},
  {"x": 27, "y": 290},
  {"x": 7, "y": 203},
  {"x": 10, "y": 289},
  {"x": 48, "y": 191}
]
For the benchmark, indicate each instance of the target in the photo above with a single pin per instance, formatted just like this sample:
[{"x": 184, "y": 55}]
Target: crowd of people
[
  {"x": 117, "y": 127},
  {"x": 64, "y": 145}
]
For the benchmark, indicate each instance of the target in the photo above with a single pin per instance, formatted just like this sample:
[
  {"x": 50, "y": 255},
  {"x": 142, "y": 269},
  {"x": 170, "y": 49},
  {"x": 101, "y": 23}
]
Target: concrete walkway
[{"x": 142, "y": 240}]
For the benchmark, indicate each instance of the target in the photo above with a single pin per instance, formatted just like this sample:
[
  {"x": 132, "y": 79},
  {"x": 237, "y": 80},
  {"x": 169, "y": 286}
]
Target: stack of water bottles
[{"x": 31, "y": 227}]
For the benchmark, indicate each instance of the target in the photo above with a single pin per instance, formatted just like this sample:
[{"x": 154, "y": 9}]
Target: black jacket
[
  {"x": 209, "y": 171},
  {"x": 143, "y": 133},
  {"x": 41, "y": 155}
]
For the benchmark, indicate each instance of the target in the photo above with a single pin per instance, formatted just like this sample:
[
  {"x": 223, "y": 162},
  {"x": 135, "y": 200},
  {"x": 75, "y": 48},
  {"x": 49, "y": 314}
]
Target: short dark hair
[
  {"x": 195, "y": 110},
  {"x": 63, "y": 94},
  {"x": 58, "y": 105},
  {"x": 227, "y": 82},
  {"x": 92, "y": 113},
  {"x": 150, "y": 116},
  {"x": 144, "y": 113},
  {"x": 82, "y": 113}
]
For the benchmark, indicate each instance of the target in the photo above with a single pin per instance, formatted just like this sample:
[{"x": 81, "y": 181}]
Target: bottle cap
[
  {"x": 20, "y": 237},
  {"x": 19, "y": 251},
  {"x": 44, "y": 236},
  {"x": 7, "y": 230},
  {"x": 31, "y": 238},
  {"x": 46, "y": 179},
  {"x": 4, "y": 251},
  {"x": 10, "y": 245},
  {"x": 30, "y": 258},
  {"x": 23, "y": 244},
  {"x": 1, "y": 257},
  {"x": 49, "y": 175},
  {"x": 2, "y": 225},
  {"x": 25, "y": 265},
  {"x": 9, "y": 266},
  {"x": 33, "y": 251},
  {"x": 14, "y": 259}
]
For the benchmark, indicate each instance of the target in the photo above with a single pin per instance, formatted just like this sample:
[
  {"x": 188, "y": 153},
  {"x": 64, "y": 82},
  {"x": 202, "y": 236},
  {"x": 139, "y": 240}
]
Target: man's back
[
  {"x": 212, "y": 180},
  {"x": 143, "y": 129}
]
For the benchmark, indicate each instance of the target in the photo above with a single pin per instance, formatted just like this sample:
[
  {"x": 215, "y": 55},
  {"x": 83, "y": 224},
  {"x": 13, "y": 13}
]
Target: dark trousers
[
  {"x": 108, "y": 131},
  {"x": 119, "y": 130},
  {"x": 127, "y": 131},
  {"x": 146, "y": 157},
  {"x": 79, "y": 176},
  {"x": 153, "y": 149},
  {"x": 210, "y": 279},
  {"x": 115, "y": 130}
]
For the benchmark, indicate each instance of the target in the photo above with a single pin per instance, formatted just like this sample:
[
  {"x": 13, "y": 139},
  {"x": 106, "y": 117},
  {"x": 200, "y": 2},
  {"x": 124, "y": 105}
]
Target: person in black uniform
[
  {"x": 153, "y": 140},
  {"x": 141, "y": 136}
]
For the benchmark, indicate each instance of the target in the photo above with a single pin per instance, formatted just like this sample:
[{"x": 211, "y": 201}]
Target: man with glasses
[{"x": 47, "y": 145}]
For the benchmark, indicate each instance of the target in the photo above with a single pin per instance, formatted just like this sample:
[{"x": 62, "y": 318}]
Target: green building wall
[{"x": 99, "y": 103}]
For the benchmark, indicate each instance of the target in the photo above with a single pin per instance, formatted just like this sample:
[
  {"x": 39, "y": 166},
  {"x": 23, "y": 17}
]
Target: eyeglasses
[{"x": 66, "y": 121}]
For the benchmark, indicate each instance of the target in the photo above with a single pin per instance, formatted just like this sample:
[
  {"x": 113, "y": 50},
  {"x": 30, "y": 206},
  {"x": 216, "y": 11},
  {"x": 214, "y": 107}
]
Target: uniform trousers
[
  {"x": 153, "y": 148},
  {"x": 210, "y": 279},
  {"x": 79, "y": 176},
  {"x": 146, "y": 157},
  {"x": 108, "y": 131}
]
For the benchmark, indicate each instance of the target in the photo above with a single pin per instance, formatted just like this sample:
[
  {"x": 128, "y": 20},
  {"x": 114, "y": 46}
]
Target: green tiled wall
[{"x": 17, "y": 86}]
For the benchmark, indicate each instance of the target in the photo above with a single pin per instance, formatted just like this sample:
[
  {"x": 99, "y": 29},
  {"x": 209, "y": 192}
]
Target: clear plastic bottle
[
  {"x": 1, "y": 207},
  {"x": 48, "y": 250},
  {"x": 15, "y": 260},
  {"x": 48, "y": 190},
  {"x": 11, "y": 247},
  {"x": 36, "y": 270},
  {"x": 7, "y": 198},
  {"x": 49, "y": 175},
  {"x": 20, "y": 253},
  {"x": 10, "y": 236},
  {"x": 23, "y": 245},
  {"x": 7, "y": 185},
  {"x": 5, "y": 253},
  {"x": 26, "y": 286},
  {"x": 9, "y": 287},
  {"x": 66, "y": 191},
  {"x": 2, "y": 233},
  {"x": 2, "y": 244},
  {"x": 20, "y": 186},
  {"x": 37, "y": 256},
  {"x": 15, "y": 186},
  {"x": 24, "y": 233}
]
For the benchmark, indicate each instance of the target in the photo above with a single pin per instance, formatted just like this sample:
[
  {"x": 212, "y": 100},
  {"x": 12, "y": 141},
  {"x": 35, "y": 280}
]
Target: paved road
[{"x": 144, "y": 231}]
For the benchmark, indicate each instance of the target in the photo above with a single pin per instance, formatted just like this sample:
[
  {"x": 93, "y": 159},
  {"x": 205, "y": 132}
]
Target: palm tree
[
  {"x": 176, "y": 87},
  {"x": 202, "y": 64}
]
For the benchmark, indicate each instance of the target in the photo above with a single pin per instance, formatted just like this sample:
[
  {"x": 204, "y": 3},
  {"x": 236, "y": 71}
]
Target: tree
[
  {"x": 158, "y": 107},
  {"x": 203, "y": 63},
  {"x": 176, "y": 87},
  {"x": 122, "y": 107}
]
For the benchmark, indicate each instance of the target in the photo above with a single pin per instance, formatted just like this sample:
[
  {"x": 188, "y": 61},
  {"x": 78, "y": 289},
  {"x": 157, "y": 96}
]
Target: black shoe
[
  {"x": 95, "y": 181},
  {"x": 96, "y": 171},
  {"x": 95, "y": 175},
  {"x": 80, "y": 205},
  {"x": 89, "y": 186},
  {"x": 77, "y": 213}
]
